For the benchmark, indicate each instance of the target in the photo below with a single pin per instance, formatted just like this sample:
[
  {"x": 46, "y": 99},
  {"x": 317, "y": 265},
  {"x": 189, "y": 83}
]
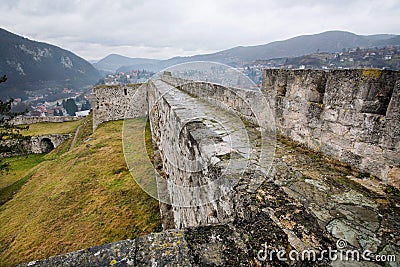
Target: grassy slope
[
  {"x": 20, "y": 166},
  {"x": 52, "y": 128},
  {"x": 77, "y": 199}
]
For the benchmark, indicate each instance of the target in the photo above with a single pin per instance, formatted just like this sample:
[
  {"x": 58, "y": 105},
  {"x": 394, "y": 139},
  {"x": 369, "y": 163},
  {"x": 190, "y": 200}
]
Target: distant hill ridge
[
  {"x": 113, "y": 62},
  {"x": 31, "y": 65},
  {"x": 330, "y": 41}
]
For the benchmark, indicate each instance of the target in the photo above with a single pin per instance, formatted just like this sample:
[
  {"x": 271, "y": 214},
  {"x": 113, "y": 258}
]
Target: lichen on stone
[{"x": 371, "y": 74}]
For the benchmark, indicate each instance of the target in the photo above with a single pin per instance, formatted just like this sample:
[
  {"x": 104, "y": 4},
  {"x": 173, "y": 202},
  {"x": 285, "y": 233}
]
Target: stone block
[
  {"x": 338, "y": 129},
  {"x": 328, "y": 137},
  {"x": 393, "y": 177},
  {"x": 372, "y": 129},
  {"x": 392, "y": 157},
  {"x": 350, "y": 117},
  {"x": 367, "y": 150},
  {"x": 391, "y": 133},
  {"x": 331, "y": 149},
  {"x": 351, "y": 159},
  {"x": 374, "y": 165},
  {"x": 330, "y": 115}
]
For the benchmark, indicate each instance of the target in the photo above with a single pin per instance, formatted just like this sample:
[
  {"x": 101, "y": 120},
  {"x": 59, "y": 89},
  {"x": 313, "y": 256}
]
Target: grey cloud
[{"x": 153, "y": 28}]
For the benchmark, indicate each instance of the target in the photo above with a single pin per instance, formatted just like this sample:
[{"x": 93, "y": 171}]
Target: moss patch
[
  {"x": 371, "y": 74},
  {"x": 392, "y": 190}
]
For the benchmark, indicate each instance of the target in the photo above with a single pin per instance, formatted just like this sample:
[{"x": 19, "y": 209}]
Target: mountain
[
  {"x": 330, "y": 42},
  {"x": 114, "y": 62},
  {"x": 375, "y": 57},
  {"x": 31, "y": 65},
  {"x": 395, "y": 41}
]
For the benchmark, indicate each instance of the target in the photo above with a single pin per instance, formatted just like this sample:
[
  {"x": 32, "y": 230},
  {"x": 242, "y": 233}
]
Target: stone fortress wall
[
  {"x": 19, "y": 120},
  {"x": 176, "y": 142},
  {"x": 179, "y": 138},
  {"x": 193, "y": 151},
  {"x": 47, "y": 142},
  {"x": 118, "y": 102},
  {"x": 242, "y": 102},
  {"x": 36, "y": 144},
  {"x": 39, "y": 143},
  {"x": 351, "y": 115}
]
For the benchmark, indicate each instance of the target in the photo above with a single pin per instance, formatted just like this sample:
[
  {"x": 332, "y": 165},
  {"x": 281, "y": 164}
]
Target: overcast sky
[{"x": 165, "y": 28}]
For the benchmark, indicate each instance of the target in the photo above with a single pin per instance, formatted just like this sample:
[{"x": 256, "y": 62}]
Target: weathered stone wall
[
  {"x": 248, "y": 104},
  {"x": 304, "y": 206},
  {"x": 352, "y": 115},
  {"x": 36, "y": 145},
  {"x": 186, "y": 161},
  {"x": 204, "y": 152},
  {"x": 118, "y": 102},
  {"x": 302, "y": 203},
  {"x": 33, "y": 119},
  {"x": 46, "y": 143}
]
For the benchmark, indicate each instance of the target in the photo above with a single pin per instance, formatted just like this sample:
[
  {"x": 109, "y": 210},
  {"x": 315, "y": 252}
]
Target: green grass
[
  {"x": 20, "y": 166},
  {"x": 6, "y": 193},
  {"x": 78, "y": 198},
  {"x": 392, "y": 190},
  {"x": 104, "y": 86},
  {"x": 148, "y": 142},
  {"x": 139, "y": 155},
  {"x": 52, "y": 128}
]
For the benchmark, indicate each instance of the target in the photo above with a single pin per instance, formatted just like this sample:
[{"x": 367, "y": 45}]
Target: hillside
[
  {"x": 330, "y": 42},
  {"x": 67, "y": 127},
  {"x": 113, "y": 62},
  {"x": 31, "y": 65},
  {"x": 380, "y": 58},
  {"x": 75, "y": 199}
]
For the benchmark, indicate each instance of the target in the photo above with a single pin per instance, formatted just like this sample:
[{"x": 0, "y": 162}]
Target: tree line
[{"x": 71, "y": 107}]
